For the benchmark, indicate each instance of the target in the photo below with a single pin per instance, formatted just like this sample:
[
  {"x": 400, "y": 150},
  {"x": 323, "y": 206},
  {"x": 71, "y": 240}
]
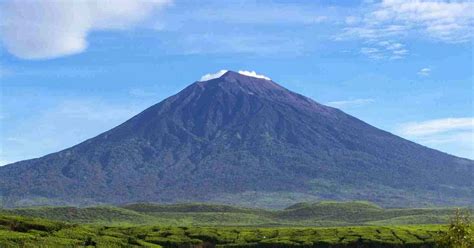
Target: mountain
[{"x": 241, "y": 140}]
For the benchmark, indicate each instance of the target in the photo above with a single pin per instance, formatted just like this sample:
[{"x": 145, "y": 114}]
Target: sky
[{"x": 70, "y": 70}]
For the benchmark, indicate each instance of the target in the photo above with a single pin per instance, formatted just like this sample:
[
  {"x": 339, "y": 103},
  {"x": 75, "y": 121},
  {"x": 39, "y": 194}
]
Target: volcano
[{"x": 241, "y": 140}]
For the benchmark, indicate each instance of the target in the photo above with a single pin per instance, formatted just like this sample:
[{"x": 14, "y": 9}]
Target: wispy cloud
[
  {"x": 246, "y": 42},
  {"x": 437, "y": 126},
  {"x": 454, "y": 135},
  {"x": 254, "y": 13},
  {"x": 384, "y": 24},
  {"x": 458, "y": 137},
  {"x": 49, "y": 28},
  {"x": 424, "y": 72},
  {"x": 351, "y": 103},
  {"x": 249, "y": 28},
  {"x": 372, "y": 52},
  {"x": 138, "y": 92},
  {"x": 449, "y": 21},
  {"x": 384, "y": 50}
]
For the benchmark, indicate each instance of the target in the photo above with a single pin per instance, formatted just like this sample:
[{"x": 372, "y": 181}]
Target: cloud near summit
[
  {"x": 48, "y": 29},
  {"x": 219, "y": 74},
  {"x": 211, "y": 76},
  {"x": 254, "y": 74}
]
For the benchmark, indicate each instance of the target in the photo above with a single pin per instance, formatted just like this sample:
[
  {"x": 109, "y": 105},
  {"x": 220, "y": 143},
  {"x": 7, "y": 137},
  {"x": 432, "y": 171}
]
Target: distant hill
[
  {"x": 104, "y": 214},
  {"x": 245, "y": 141},
  {"x": 204, "y": 214}
]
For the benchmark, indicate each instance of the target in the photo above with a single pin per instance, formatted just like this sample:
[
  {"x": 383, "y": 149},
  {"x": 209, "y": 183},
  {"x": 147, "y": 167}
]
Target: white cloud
[
  {"x": 436, "y": 126},
  {"x": 254, "y": 74},
  {"x": 449, "y": 21},
  {"x": 351, "y": 103},
  {"x": 254, "y": 13},
  {"x": 219, "y": 74},
  {"x": 245, "y": 42},
  {"x": 53, "y": 28},
  {"x": 453, "y": 135},
  {"x": 351, "y": 20},
  {"x": 458, "y": 137},
  {"x": 384, "y": 49},
  {"x": 372, "y": 52},
  {"x": 389, "y": 20},
  {"x": 424, "y": 72},
  {"x": 210, "y": 76}
]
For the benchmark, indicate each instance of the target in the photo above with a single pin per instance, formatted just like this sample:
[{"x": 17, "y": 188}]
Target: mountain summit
[{"x": 242, "y": 140}]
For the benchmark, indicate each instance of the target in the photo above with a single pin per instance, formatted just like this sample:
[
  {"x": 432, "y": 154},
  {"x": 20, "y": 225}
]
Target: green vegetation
[
  {"x": 301, "y": 214},
  {"x": 322, "y": 224},
  {"x": 102, "y": 214},
  {"x": 18, "y": 231},
  {"x": 460, "y": 233}
]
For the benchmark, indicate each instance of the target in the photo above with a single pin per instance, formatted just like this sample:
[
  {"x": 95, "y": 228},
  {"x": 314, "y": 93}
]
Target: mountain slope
[{"x": 244, "y": 140}]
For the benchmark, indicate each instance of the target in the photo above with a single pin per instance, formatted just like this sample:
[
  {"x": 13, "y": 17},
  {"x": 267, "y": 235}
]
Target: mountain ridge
[{"x": 225, "y": 137}]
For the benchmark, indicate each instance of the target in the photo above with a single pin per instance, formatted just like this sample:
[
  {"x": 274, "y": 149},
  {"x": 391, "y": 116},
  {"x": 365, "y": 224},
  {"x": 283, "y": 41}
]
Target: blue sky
[{"x": 70, "y": 70}]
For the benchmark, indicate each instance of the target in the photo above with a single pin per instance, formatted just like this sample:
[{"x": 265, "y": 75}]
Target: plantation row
[{"x": 28, "y": 232}]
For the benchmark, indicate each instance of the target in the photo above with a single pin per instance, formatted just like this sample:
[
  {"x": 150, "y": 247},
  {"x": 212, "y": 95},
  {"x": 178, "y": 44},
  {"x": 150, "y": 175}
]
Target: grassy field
[
  {"x": 16, "y": 231},
  {"x": 303, "y": 214},
  {"x": 322, "y": 224}
]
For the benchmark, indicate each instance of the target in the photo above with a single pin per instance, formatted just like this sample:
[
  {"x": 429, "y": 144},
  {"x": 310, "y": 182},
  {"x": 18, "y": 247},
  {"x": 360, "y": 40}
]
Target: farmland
[
  {"x": 321, "y": 224},
  {"x": 16, "y": 231}
]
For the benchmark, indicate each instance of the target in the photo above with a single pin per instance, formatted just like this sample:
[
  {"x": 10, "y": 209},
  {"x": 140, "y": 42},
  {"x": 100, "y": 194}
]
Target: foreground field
[{"x": 16, "y": 231}]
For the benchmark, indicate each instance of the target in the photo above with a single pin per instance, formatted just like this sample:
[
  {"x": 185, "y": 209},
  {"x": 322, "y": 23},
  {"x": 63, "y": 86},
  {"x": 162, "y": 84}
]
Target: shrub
[
  {"x": 459, "y": 233},
  {"x": 89, "y": 242}
]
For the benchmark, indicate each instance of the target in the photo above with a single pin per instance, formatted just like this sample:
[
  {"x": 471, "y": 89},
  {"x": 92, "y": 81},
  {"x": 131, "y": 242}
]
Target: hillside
[
  {"x": 245, "y": 141},
  {"x": 101, "y": 214},
  {"x": 198, "y": 214}
]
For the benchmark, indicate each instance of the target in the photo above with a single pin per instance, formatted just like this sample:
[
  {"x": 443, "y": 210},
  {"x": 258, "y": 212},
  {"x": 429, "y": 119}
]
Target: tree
[{"x": 460, "y": 232}]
